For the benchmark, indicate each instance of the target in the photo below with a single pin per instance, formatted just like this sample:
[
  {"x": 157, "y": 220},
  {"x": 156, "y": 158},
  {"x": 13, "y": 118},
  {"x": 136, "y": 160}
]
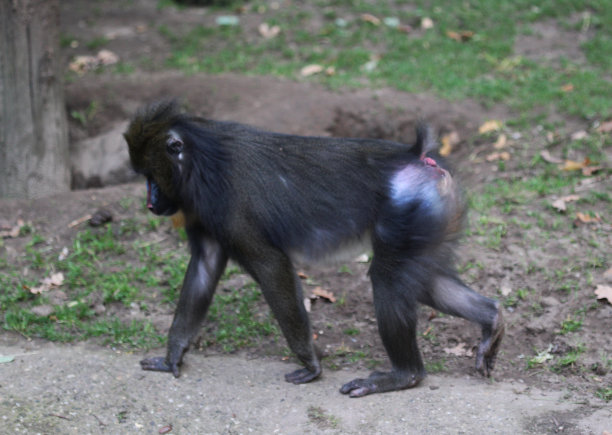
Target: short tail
[{"x": 425, "y": 140}]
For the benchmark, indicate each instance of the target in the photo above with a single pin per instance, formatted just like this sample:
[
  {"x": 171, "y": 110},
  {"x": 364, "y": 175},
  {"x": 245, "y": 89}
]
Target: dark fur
[{"x": 264, "y": 198}]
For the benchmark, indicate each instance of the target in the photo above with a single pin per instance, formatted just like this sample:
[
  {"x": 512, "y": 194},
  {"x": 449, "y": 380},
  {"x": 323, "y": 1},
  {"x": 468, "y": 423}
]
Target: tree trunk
[{"x": 33, "y": 126}]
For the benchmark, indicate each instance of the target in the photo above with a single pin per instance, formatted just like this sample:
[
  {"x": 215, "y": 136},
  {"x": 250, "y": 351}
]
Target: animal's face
[{"x": 156, "y": 152}]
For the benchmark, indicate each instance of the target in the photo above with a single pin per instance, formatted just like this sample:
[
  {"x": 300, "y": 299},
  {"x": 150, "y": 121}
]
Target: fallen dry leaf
[
  {"x": 505, "y": 290},
  {"x": 13, "y": 231},
  {"x": 550, "y": 159},
  {"x": 491, "y": 125},
  {"x": 462, "y": 36},
  {"x": 504, "y": 155},
  {"x": 55, "y": 280},
  {"x": 369, "y": 18},
  {"x": 449, "y": 140},
  {"x": 267, "y": 31},
  {"x": 324, "y": 294},
  {"x": 604, "y": 292},
  {"x": 404, "y": 28},
  {"x": 561, "y": 203},
  {"x": 583, "y": 218},
  {"x": 578, "y": 135},
  {"x": 79, "y": 221},
  {"x": 310, "y": 70},
  {"x": 302, "y": 275},
  {"x": 605, "y": 127},
  {"x": 501, "y": 142},
  {"x": 107, "y": 57},
  {"x": 568, "y": 87},
  {"x": 587, "y": 171},
  {"x": 330, "y": 71},
  {"x": 461, "y": 349},
  {"x": 427, "y": 23},
  {"x": 571, "y": 165}
]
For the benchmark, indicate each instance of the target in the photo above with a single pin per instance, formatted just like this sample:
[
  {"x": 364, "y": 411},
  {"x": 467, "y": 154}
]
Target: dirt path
[{"x": 85, "y": 389}]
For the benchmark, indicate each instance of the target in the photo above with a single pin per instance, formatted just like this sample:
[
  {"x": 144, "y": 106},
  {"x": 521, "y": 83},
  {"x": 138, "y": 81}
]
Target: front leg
[{"x": 207, "y": 263}]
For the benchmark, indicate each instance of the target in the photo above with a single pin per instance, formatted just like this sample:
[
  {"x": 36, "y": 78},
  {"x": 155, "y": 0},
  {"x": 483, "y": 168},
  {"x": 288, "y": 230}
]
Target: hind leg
[
  {"x": 450, "y": 295},
  {"x": 397, "y": 318}
]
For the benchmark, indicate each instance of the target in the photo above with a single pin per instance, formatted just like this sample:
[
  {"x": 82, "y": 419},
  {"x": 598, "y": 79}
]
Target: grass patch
[
  {"x": 97, "y": 272},
  {"x": 236, "y": 322},
  {"x": 483, "y": 67},
  {"x": 113, "y": 269}
]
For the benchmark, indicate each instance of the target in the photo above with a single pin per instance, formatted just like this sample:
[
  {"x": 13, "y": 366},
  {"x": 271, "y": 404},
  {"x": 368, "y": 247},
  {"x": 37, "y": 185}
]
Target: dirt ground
[{"x": 518, "y": 400}]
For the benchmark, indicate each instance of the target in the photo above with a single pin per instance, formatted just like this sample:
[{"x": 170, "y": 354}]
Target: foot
[
  {"x": 489, "y": 346},
  {"x": 380, "y": 382},
  {"x": 160, "y": 364},
  {"x": 302, "y": 376}
]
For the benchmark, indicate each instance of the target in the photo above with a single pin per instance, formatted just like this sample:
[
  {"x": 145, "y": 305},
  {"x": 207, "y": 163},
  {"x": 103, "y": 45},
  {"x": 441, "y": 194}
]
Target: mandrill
[{"x": 266, "y": 199}]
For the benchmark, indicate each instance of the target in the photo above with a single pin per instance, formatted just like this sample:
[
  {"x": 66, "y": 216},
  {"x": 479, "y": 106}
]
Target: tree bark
[{"x": 33, "y": 126}]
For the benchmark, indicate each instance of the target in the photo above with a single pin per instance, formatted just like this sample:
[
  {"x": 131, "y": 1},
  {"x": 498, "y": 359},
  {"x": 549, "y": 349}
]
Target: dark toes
[
  {"x": 159, "y": 364},
  {"x": 301, "y": 376},
  {"x": 358, "y": 388}
]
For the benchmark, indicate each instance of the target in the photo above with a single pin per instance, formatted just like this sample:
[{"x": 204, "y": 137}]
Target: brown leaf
[
  {"x": 568, "y": 87},
  {"x": 79, "y": 221},
  {"x": 449, "y": 140},
  {"x": 324, "y": 294},
  {"x": 369, "y": 18},
  {"x": 462, "y": 36},
  {"x": 491, "y": 125},
  {"x": 550, "y": 159},
  {"x": 404, "y": 28},
  {"x": 583, "y": 218},
  {"x": 330, "y": 71},
  {"x": 590, "y": 170},
  {"x": 604, "y": 292},
  {"x": 579, "y": 135},
  {"x": 427, "y": 23},
  {"x": 55, "y": 280},
  {"x": 107, "y": 57},
  {"x": 302, "y": 275},
  {"x": 267, "y": 31},
  {"x": 461, "y": 349},
  {"x": 310, "y": 70},
  {"x": 504, "y": 155},
  {"x": 13, "y": 231},
  {"x": 560, "y": 204},
  {"x": 501, "y": 142},
  {"x": 605, "y": 127},
  {"x": 571, "y": 165}
]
